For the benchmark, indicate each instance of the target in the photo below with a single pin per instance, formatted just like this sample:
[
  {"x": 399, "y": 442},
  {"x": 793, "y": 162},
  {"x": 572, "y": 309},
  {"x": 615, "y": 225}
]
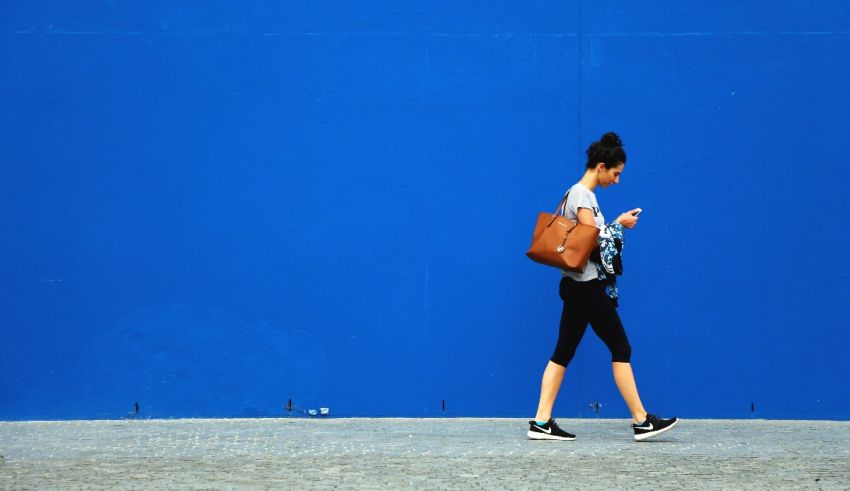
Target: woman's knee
[
  {"x": 621, "y": 353},
  {"x": 562, "y": 357}
]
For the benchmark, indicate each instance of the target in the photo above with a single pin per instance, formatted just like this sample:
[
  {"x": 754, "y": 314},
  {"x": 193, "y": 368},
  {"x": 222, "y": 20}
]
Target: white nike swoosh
[
  {"x": 647, "y": 429},
  {"x": 549, "y": 431}
]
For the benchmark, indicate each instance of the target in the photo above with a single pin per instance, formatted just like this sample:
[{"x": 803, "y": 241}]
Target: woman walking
[{"x": 586, "y": 301}]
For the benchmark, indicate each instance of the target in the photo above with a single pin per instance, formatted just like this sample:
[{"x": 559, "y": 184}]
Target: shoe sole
[
  {"x": 533, "y": 435},
  {"x": 651, "y": 434}
]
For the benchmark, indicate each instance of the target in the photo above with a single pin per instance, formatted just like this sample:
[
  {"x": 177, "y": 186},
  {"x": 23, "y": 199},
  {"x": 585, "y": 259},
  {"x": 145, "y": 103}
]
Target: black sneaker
[
  {"x": 653, "y": 426},
  {"x": 549, "y": 431}
]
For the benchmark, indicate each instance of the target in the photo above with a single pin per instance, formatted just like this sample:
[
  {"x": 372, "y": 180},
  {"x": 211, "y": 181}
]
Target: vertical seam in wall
[
  {"x": 578, "y": 76},
  {"x": 580, "y": 45}
]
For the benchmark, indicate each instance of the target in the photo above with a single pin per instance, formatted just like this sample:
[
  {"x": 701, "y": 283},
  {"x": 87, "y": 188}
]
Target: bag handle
[
  {"x": 559, "y": 211},
  {"x": 562, "y": 204}
]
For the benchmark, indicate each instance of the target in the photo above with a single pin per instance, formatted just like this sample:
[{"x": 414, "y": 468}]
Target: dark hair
[{"x": 609, "y": 150}]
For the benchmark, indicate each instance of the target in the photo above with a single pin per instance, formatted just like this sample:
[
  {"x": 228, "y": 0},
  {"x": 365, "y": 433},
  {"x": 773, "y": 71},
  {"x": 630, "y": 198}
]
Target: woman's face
[{"x": 611, "y": 176}]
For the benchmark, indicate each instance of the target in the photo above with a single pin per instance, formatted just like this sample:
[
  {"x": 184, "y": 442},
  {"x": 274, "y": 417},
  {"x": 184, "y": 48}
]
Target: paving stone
[{"x": 400, "y": 453}]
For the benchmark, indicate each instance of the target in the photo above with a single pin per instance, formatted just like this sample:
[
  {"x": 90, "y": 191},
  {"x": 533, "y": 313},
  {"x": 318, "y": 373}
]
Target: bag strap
[
  {"x": 561, "y": 206},
  {"x": 559, "y": 211}
]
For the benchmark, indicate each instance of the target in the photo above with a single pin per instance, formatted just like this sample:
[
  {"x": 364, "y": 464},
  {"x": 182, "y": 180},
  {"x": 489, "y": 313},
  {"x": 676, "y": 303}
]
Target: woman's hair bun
[
  {"x": 611, "y": 139},
  {"x": 608, "y": 150}
]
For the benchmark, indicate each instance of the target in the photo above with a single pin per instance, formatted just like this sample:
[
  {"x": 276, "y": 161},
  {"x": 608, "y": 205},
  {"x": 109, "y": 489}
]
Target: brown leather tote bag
[{"x": 560, "y": 242}]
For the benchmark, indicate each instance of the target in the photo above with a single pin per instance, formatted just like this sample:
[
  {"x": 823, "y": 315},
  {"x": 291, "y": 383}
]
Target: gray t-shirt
[{"x": 581, "y": 197}]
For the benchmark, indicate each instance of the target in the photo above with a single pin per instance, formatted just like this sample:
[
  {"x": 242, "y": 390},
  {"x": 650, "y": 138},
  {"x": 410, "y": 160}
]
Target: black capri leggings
[{"x": 586, "y": 301}]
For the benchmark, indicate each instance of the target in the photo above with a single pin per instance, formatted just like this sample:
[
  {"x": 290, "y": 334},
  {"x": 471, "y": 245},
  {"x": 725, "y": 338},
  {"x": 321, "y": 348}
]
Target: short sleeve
[{"x": 579, "y": 198}]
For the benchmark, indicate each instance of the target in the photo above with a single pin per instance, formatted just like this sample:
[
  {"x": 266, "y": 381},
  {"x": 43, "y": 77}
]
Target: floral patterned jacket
[{"x": 609, "y": 264}]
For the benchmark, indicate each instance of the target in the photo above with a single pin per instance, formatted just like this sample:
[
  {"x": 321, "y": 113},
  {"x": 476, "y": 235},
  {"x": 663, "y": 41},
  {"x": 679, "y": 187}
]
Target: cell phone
[{"x": 637, "y": 212}]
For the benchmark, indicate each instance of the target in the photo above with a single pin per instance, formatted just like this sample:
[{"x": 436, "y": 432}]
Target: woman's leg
[
  {"x": 573, "y": 325},
  {"x": 625, "y": 380},
  {"x": 607, "y": 325},
  {"x": 552, "y": 378}
]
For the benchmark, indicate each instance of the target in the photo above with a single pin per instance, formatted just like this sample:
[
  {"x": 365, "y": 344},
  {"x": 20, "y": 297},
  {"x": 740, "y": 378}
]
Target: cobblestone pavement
[{"x": 390, "y": 453}]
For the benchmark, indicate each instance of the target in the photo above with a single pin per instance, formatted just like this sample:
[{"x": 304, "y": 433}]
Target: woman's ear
[{"x": 600, "y": 166}]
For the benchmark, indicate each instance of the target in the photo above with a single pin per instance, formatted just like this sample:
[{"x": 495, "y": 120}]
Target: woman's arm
[
  {"x": 585, "y": 216},
  {"x": 627, "y": 219}
]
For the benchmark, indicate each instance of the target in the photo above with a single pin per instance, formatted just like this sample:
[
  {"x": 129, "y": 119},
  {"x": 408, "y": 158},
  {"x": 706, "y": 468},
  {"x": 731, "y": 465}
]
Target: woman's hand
[{"x": 628, "y": 219}]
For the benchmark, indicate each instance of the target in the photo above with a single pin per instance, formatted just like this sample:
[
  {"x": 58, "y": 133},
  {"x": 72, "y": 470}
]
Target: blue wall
[{"x": 213, "y": 208}]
